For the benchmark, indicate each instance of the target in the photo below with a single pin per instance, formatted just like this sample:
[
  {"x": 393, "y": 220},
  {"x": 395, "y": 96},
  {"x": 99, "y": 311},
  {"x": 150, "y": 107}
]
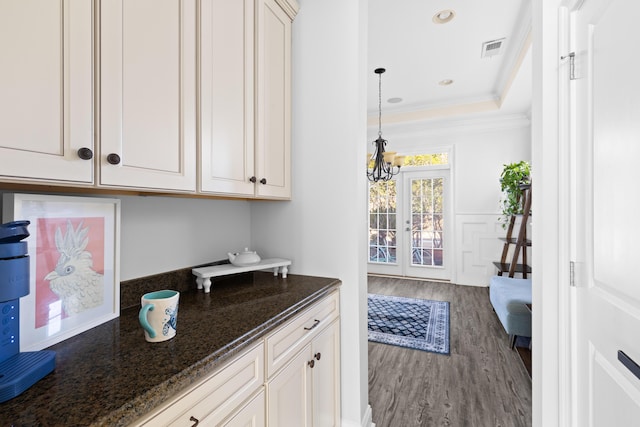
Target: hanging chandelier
[{"x": 385, "y": 163}]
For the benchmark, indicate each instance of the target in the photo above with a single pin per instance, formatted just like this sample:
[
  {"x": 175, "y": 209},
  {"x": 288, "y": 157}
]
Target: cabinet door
[
  {"x": 227, "y": 96},
  {"x": 273, "y": 136},
  {"x": 148, "y": 94},
  {"x": 289, "y": 394},
  {"x": 326, "y": 377},
  {"x": 251, "y": 415},
  {"x": 46, "y": 92}
]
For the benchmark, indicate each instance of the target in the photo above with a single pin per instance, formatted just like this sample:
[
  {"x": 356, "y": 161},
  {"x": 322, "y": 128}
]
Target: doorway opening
[{"x": 409, "y": 220}]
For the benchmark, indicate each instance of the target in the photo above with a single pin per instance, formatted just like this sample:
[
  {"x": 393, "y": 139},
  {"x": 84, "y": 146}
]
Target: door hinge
[
  {"x": 572, "y": 64},
  {"x": 572, "y": 273}
]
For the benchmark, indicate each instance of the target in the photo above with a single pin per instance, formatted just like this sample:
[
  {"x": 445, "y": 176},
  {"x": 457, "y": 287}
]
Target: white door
[
  {"x": 426, "y": 225},
  {"x": 607, "y": 146},
  {"x": 409, "y": 223}
]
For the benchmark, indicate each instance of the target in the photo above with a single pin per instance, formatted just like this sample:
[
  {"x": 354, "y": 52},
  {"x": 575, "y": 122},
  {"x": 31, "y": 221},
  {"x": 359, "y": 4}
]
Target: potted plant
[{"x": 513, "y": 176}]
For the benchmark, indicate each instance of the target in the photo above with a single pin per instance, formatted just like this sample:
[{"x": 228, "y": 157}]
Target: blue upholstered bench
[{"x": 508, "y": 297}]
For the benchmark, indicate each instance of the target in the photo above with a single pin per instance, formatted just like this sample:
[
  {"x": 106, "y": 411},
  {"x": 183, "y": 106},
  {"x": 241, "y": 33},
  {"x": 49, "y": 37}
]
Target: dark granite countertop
[{"x": 111, "y": 376}]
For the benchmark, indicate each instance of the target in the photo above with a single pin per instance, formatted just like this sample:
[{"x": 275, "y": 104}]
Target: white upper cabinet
[
  {"x": 226, "y": 96},
  {"x": 273, "y": 101},
  {"x": 177, "y": 96},
  {"x": 46, "y": 91},
  {"x": 245, "y": 65},
  {"x": 148, "y": 94}
]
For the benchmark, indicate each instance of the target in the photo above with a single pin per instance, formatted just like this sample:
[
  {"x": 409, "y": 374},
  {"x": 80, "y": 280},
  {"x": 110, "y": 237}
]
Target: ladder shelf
[{"x": 521, "y": 241}]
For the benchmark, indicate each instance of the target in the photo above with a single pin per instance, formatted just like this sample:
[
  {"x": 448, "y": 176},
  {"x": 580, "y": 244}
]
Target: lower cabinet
[
  {"x": 250, "y": 415},
  {"x": 325, "y": 378},
  {"x": 215, "y": 398},
  {"x": 292, "y": 378},
  {"x": 307, "y": 391}
]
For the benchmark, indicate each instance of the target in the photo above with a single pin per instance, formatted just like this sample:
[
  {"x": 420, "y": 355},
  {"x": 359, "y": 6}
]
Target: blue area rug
[{"x": 409, "y": 322}]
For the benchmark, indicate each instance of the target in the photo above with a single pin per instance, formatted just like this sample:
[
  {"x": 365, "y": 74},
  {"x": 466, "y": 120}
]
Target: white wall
[
  {"x": 323, "y": 229},
  {"x": 479, "y": 149},
  {"x": 160, "y": 234}
]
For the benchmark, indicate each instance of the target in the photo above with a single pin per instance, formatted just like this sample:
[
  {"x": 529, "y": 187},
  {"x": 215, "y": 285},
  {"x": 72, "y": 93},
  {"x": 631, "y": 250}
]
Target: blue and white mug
[{"x": 159, "y": 315}]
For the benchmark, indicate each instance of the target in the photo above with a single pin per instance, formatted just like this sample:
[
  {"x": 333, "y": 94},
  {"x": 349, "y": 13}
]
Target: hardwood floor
[{"x": 481, "y": 383}]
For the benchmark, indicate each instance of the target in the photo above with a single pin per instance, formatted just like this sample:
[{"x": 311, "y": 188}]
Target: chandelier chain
[{"x": 380, "y": 105}]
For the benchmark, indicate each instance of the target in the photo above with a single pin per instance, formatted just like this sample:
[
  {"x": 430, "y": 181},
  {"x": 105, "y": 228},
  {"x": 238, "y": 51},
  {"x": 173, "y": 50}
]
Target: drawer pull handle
[
  {"x": 316, "y": 322},
  {"x": 317, "y": 355},
  {"x": 629, "y": 363},
  {"x": 311, "y": 363},
  {"x": 195, "y": 421}
]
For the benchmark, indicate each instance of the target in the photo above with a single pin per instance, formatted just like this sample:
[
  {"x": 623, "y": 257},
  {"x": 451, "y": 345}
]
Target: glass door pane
[
  {"x": 427, "y": 222},
  {"x": 383, "y": 222}
]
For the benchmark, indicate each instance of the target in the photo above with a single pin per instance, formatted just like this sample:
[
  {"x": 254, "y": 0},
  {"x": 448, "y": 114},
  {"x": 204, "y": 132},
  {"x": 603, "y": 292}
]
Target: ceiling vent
[{"x": 492, "y": 48}]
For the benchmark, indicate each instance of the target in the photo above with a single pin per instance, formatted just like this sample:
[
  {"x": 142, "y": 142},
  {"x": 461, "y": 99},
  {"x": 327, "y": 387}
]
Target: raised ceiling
[{"x": 418, "y": 54}]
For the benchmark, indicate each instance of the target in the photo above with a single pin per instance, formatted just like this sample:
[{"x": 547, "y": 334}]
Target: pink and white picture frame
[{"x": 74, "y": 250}]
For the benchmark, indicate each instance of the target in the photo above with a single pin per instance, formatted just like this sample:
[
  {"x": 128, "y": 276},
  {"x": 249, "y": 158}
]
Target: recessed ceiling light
[
  {"x": 444, "y": 16},
  {"x": 445, "y": 82},
  {"x": 394, "y": 100}
]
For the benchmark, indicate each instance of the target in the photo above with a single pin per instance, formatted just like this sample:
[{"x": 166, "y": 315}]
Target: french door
[{"x": 409, "y": 225}]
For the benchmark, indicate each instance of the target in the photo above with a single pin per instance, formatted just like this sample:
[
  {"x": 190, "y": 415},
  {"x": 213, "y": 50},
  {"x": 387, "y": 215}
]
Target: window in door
[
  {"x": 382, "y": 222},
  {"x": 427, "y": 217}
]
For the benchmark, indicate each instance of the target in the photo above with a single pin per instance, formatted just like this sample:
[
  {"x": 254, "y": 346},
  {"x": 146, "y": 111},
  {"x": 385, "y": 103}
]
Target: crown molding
[{"x": 454, "y": 126}]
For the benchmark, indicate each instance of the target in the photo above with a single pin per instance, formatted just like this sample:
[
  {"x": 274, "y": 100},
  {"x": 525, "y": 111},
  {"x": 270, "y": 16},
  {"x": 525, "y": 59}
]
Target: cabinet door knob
[
  {"x": 317, "y": 356},
  {"x": 263, "y": 181},
  {"x": 311, "y": 363},
  {"x": 253, "y": 179},
  {"x": 85, "y": 153},
  {"x": 195, "y": 421},
  {"x": 113, "y": 159}
]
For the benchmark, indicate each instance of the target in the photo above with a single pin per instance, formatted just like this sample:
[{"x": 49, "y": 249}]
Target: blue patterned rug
[{"x": 409, "y": 322}]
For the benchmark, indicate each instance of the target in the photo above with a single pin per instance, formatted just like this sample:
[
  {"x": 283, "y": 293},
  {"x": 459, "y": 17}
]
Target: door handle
[{"x": 629, "y": 363}]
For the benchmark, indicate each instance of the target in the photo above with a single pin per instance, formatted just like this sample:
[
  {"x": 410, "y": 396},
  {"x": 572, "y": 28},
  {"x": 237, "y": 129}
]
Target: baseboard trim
[{"x": 366, "y": 420}]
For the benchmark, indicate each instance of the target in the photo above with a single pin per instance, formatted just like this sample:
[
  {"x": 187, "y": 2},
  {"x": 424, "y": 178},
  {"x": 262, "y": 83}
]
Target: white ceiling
[{"x": 418, "y": 53}]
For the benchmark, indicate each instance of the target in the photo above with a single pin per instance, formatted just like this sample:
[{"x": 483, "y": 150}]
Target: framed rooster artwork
[{"x": 74, "y": 248}]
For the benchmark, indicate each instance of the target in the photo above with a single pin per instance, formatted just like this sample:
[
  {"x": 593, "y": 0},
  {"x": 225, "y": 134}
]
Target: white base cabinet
[
  {"x": 289, "y": 394},
  {"x": 217, "y": 397},
  {"x": 303, "y": 368},
  {"x": 292, "y": 378},
  {"x": 250, "y": 415},
  {"x": 306, "y": 393}
]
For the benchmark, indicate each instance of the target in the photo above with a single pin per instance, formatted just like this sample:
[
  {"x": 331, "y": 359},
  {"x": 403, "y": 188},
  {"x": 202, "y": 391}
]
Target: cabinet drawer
[
  {"x": 216, "y": 397},
  {"x": 283, "y": 344}
]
